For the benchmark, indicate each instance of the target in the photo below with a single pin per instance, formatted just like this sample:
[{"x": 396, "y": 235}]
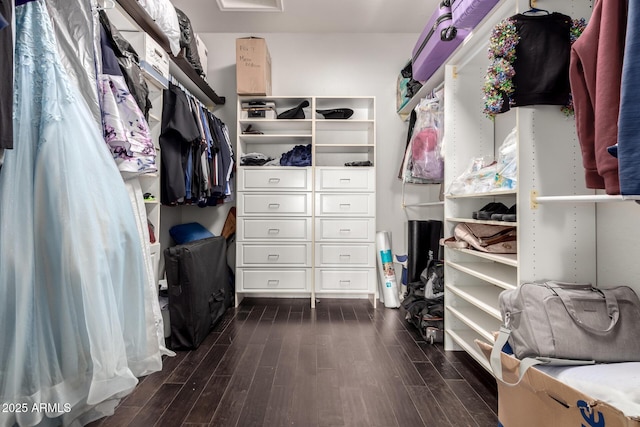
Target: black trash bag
[
  {"x": 129, "y": 64},
  {"x": 188, "y": 42}
]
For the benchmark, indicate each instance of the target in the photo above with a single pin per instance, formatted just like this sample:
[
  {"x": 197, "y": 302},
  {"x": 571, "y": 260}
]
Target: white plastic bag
[
  {"x": 507, "y": 167},
  {"x": 426, "y": 163}
]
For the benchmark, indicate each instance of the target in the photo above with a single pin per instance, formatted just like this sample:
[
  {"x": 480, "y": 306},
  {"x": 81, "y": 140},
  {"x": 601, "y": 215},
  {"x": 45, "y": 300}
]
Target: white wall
[{"x": 337, "y": 65}]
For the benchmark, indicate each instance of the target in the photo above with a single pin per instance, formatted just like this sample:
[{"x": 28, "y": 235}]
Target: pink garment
[
  {"x": 125, "y": 129},
  {"x": 595, "y": 74}
]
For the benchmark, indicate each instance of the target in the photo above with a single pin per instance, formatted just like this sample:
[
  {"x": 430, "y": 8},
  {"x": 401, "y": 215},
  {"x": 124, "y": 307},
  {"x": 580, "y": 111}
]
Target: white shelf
[
  {"x": 484, "y": 221},
  {"x": 334, "y": 148},
  {"x": 497, "y": 274},
  {"x": 473, "y": 285},
  {"x": 154, "y": 119},
  {"x": 507, "y": 259},
  {"x": 271, "y": 125},
  {"x": 479, "y": 321},
  {"x": 482, "y": 195},
  {"x": 277, "y": 139},
  {"x": 465, "y": 339},
  {"x": 483, "y": 297},
  {"x": 343, "y": 125}
]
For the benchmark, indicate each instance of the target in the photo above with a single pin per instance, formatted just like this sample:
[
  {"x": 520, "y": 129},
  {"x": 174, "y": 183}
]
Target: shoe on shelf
[
  {"x": 491, "y": 209},
  {"x": 486, "y": 207},
  {"x": 509, "y": 215}
]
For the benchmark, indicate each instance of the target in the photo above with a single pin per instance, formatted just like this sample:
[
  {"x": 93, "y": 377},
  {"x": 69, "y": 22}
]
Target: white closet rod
[
  {"x": 423, "y": 204},
  {"x": 596, "y": 198}
]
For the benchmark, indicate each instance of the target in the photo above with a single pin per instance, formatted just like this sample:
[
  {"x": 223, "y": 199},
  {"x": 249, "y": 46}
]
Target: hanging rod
[
  {"x": 423, "y": 204},
  {"x": 587, "y": 198}
]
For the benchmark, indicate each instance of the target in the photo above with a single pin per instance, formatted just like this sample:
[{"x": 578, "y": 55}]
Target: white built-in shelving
[
  {"x": 308, "y": 231},
  {"x": 555, "y": 241}
]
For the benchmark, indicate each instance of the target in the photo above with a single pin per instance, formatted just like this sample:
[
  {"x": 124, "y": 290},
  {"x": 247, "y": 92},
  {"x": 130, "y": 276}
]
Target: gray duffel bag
[{"x": 567, "y": 323}]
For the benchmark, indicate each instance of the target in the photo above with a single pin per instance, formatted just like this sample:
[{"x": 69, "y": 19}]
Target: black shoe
[
  {"x": 486, "y": 211},
  {"x": 497, "y": 208},
  {"x": 509, "y": 215},
  {"x": 336, "y": 113},
  {"x": 294, "y": 113}
]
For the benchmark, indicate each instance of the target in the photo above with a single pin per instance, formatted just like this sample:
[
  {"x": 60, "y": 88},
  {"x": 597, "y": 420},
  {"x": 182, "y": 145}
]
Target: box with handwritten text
[{"x": 253, "y": 67}]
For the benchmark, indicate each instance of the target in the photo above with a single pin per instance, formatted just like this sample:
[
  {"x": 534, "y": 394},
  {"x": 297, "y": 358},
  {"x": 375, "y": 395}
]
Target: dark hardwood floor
[{"x": 277, "y": 362}]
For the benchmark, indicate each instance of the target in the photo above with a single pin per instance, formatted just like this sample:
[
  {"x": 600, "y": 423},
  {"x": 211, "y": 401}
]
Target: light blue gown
[{"x": 72, "y": 315}]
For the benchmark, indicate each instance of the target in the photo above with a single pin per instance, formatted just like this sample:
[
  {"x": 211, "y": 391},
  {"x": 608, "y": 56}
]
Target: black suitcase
[{"x": 199, "y": 289}]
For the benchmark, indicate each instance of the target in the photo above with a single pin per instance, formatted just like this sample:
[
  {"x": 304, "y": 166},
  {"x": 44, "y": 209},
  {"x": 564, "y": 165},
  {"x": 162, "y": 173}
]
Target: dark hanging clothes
[
  {"x": 542, "y": 60},
  {"x": 6, "y": 76},
  {"x": 129, "y": 64},
  {"x": 179, "y": 132},
  {"x": 110, "y": 63}
]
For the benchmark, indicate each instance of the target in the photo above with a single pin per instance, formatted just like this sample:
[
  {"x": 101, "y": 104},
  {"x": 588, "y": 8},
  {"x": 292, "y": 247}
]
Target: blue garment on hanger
[
  {"x": 628, "y": 151},
  {"x": 72, "y": 272}
]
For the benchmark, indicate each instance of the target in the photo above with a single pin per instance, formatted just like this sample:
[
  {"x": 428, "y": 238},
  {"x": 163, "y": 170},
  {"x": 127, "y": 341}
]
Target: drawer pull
[
  {"x": 274, "y": 230},
  {"x": 345, "y": 256},
  {"x": 273, "y": 256},
  {"x": 273, "y": 282},
  {"x": 345, "y": 205},
  {"x": 274, "y": 180},
  {"x": 345, "y": 230},
  {"x": 346, "y": 282},
  {"x": 345, "y": 180},
  {"x": 274, "y": 205}
]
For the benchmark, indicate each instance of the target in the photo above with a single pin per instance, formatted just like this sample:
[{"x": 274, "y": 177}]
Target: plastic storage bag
[
  {"x": 426, "y": 163},
  {"x": 507, "y": 166}
]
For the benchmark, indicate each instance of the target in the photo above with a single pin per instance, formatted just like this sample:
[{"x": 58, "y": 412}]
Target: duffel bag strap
[
  {"x": 496, "y": 361},
  {"x": 612, "y": 308}
]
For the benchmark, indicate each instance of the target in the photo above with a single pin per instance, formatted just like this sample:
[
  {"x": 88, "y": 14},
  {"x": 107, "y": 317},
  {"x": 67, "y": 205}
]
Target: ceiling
[{"x": 314, "y": 16}]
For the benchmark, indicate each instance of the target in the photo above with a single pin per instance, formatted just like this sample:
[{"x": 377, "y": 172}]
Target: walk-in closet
[{"x": 299, "y": 213}]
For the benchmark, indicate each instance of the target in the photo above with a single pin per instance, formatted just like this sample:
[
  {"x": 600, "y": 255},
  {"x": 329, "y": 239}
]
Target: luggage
[
  {"x": 199, "y": 289},
  {"x": 468, "y": 13},
  {"x": 436, "y": 43},
  {"x": 544, "y": 322}
]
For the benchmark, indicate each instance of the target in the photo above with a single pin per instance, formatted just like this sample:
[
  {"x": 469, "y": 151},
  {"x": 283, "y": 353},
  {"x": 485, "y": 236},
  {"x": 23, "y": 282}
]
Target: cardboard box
[
  {"x": 253, "y": 67},
  {"x": 541, "y": 400}
]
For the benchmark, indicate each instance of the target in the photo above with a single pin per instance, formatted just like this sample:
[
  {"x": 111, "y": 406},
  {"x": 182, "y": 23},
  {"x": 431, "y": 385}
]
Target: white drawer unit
[
  {"x": 345, "y": 255},
  {"x": 334, "y": 280},
  {"x": 273, "y": 280},
  {"x": 273, "y": 229},
  {"x": 345, "y": 179},
  {"x": 267, "y": 254},
  {"x": 274, "y": 204},
  {"x": 279, "y": 179},
  {"x": 303, "y": 230},
  {"x": 346, "y": 229},
  {"x": 342, "y": 204}
]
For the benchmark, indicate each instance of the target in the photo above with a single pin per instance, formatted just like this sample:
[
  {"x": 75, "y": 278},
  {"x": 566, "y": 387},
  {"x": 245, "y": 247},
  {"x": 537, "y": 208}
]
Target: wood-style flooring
[{"x": 277, "y": 362}]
